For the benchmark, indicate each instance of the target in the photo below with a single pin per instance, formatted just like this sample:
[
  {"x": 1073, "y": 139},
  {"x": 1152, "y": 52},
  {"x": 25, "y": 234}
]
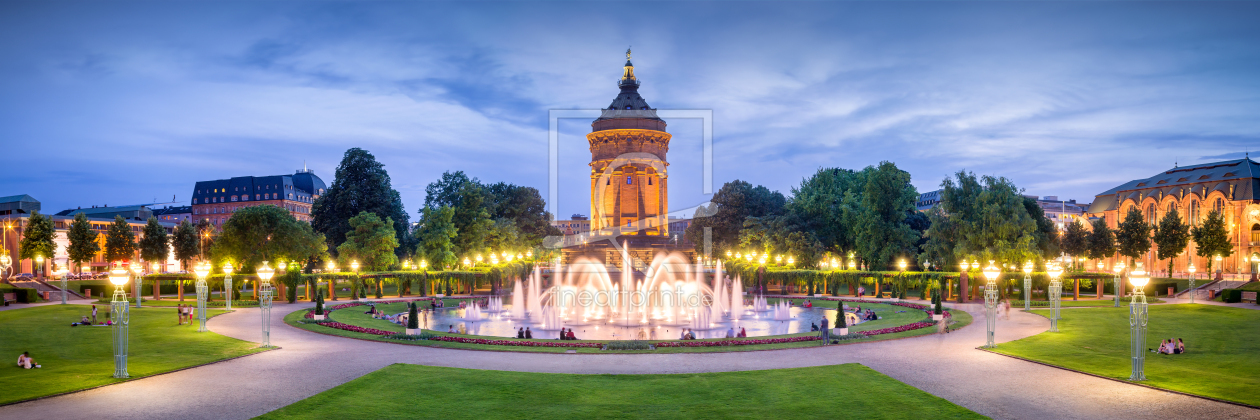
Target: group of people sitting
[
  {"x": 687, "y": 334},
  {"x": 438, "y": 303},
  {"x": 567, "y": 336},
  {"x": 1171, "y": 346},
  {"x": 867, "y": 315},
  {"x": 85, "y": 321},
  {"x": 807, "y": 304},
  {"x": 730, "y": 332},
  {"x": 524, "y": 333}
]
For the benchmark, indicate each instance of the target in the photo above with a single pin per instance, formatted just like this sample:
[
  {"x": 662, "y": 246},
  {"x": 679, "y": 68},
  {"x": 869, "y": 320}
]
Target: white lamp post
[
  {"x": 62, "y": 271},
  {"x": 121, "y": 318},
  {"x": 991, "y": 274},
  {"x": 265, "y": 295},
  {"x": 137, "y": 269},
  {"x": 1028, "y": 268},
  {"x": 354, "y": 266},
  {"x": 1115, "y": 283},
  {"x": 227, "y": 283},
  {"x": 1056, "y": 294},
  {"x": 202, "y": 270},
  {"x": 1191, "y": 269},
  {"x": 1137, "y": 323}
]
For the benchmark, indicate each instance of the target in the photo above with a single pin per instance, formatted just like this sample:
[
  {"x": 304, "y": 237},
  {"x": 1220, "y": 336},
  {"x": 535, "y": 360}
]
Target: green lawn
[
  {"x": 888, "y": 313},
  {"x": 81, "y": 357},
  {"x": 411, "y": 391},
  {"x": 1221, "y": 342},
  {"x": 1083, "y": 303}
]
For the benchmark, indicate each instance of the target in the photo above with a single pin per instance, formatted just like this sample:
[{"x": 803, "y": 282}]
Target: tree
[
  {"x": 469, "y": 200},
  {"x": 186, "y": 243},
  {"x": 818, "y": 207},
  {"x": 361, "y": 184},
  {"x": 1047, "y": 236},
  {"x": 1075, "y": 240},
  {"x": 120, "y": 242},
  {"x": 983, "y": 216},
  {"x": 37, "y": 239},
  {"x": 434, "y": 234},
  {"x": 1211, "y": 238},
  {"x": 880, "y": 230},
  {"x": 1171, "y": 238},
  {"x": 1102, "y": 240},
  {"x": 1133, "y": 236},
  {"x": 265, "y": 233},
  {"x": 83, "y": 246},
  {"x": 154, "y": 246},
  {"x": 730, "y": 206},
  {"x": 372, "y": 242},
  {"x": 525, "y": 209}
]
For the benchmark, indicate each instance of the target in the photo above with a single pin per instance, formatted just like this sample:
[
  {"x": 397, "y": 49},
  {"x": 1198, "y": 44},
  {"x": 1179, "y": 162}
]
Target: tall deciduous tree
[
  {"x": 371, "y": 242},
  {"x": 1075, "y": 240},
  {"x": 83, "y": 245},
  {"x": 470, "y": 201},
  {"x": 1102, "y": 240},
  {"x": 265, "y": 233},
  {"x": 186, "y": 243},
  {"x": 1171, "y": 238},
  {"x": 985, "y": 217},
  {"x": 435, "y": 232},
  {"x": 120, "y": 242},
  {"x": 881, "y": 231},
  {"x": 818, "y": 208},
  {"x": 525, "y": 209},
  {"x": 361, "y": 184},
  {"x": 730, "y": 206},
  {"x": 154, "y": 245},
  {"x": 37, "y": 239},
  {"x": 1211, "y": 238},
  {"x": 1133, "y": 236}
]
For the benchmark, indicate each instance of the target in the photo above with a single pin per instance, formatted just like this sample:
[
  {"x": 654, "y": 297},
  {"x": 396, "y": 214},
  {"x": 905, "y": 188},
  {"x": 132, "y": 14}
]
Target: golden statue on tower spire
[{"x": 627, "y": 53}]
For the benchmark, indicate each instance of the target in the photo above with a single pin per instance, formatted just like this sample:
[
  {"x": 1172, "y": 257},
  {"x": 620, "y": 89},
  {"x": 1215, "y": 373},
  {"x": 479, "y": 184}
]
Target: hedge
[{"x": 24, "y": 295}]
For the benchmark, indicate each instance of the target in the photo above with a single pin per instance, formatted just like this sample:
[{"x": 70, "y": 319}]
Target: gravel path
[{"x": 947, "y": 365}]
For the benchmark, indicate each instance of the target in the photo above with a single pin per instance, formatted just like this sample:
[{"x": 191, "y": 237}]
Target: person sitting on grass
[
  {"x": 528, "y": 334},
  {"x": 450, "y": 328},
  {"x": 1163, "y": 344},
  {"x": 571, "y": 336},
  {"x": 813, "y": 326},
  {"x": 520, "y": 333},
  {"x": 26, "y": 362},
  {"x": 1180, "y": 348},
  {"x": 742, "y": 332}
]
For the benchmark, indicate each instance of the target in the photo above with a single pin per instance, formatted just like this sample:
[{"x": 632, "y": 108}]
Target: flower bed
[
  {"x": 898, "y": 329},
  {"x": 737, "y": 342},
  {"x": 488, "y": 342},
  {"x": 353, "y": 328}
]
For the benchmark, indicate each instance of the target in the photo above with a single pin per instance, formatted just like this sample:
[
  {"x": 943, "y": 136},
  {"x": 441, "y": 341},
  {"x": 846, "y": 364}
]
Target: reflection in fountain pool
[{"x": 757, "y": 325}]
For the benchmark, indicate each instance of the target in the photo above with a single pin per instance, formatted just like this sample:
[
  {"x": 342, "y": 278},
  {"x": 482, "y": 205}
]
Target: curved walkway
[{"x": 947, "y": 366}]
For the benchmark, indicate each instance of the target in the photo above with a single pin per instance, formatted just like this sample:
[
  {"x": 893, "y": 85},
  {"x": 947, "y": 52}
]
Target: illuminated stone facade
[{"x": 629, "y": 177}]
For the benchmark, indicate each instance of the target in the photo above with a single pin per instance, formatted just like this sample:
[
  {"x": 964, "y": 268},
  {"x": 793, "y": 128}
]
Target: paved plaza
[{"x": 307, "y": 363}]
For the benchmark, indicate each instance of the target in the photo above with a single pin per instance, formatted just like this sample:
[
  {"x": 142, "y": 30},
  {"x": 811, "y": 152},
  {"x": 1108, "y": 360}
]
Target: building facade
[
  {"x": 1232, "y": 187},
  {"x": 215, "y": 201},
  {"x": 629, "y": 180},
  {"x": 16, "y": 205},
  {"x": 177, "y": 214},
  {"x": 13, "y": 227},
  {"x": 1061, "y": 212},
  {"x": 928, "y": 200}
]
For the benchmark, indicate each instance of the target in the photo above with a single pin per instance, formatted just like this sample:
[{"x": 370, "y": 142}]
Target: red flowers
[
  {"x": 898, "y": 329},
  {"x": 353, "y": 328},
  {"x": 691, "y": 343},
  {"x": 514, "y": 342}
]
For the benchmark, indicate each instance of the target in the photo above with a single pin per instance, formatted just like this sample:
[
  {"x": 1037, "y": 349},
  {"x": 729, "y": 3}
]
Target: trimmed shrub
[
  {"x": 1231, "y": 295},
  {"x": 413, "y": 316},
  {"x": 628, "y": 345},
  {"x": 319, "y": 302}
]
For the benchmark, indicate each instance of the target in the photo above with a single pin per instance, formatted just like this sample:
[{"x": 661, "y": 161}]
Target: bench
[
  {"x": 1249, "y": 296},
  {"x": 9, "y": 297}
]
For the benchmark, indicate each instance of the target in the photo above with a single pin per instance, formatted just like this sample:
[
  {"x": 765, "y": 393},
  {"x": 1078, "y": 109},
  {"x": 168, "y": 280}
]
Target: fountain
[
  {"x": 472, "y": 312},
  {"x": 782, "y": 311},
  {"x": 518, "y": 301},
  {"x": 737, "y": 296},
  {"x": 759, "y": 304},
  {"x": 494, "y": 305}
]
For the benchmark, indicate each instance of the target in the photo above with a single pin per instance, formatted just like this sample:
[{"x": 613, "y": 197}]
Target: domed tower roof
[{"x": 628, "y": 109}]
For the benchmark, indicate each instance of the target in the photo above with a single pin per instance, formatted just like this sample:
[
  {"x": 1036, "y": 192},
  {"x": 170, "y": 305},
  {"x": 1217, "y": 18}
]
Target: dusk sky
[{"x": 125, "y": 103}]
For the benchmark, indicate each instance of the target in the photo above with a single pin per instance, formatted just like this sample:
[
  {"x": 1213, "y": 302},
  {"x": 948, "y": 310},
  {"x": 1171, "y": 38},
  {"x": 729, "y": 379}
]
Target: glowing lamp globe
[
  {"x": 265, "y": 273},
  {"x": 155, "y": 267},
  {"x": 478, "y": 257},
  {"x": 737, "y": 255},
  {"x": 423, "y": 263},
  {"x": 40, "y": 259},
  {"x": 228, "y": 268},
  {"x": 964, "y": 265},
  {"x": 791, "y": 261},
  {"x": 1191, "y": 268},
  {"x": 137, "y": 268},
  {"x": 5, "y": 260},
  {"x": 61, "y": 270},
  {"x": 852, "y": 265},
  {"x": 1138, "y": 277},
  {"x": 118, "y": 276},
  {"x": 728, "y": 253},
  {"x": 466, "y": 262},
  {"x": 354, "y": 265},
  {"x": 992, "y": 271},
  {"x": 530, "y": 254},
  {"x": 202, "y": 270},
  {"x": 1054, "y": 270},
  {"x": 407, "y": 265},
  {"x": 282, "y": 266},
  {"x": 1101, "y": 265},
  {"x": 1028, "y": 267},
  {"x": 902, "y": 265},
  {"x": 331, "y": 266},
  {"x": 1118, "y": 268}
]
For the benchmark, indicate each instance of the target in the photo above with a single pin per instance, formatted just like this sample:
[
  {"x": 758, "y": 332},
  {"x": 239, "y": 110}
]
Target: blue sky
[{"x": 121, "y": 103}]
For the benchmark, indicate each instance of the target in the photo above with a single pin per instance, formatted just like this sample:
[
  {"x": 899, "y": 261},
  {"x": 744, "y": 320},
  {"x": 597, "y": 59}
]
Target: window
[
  {"x": 1219, "y": 205},
  {"x": 629, "y": 179},
  {"x": 1150, "y": 213},
  {"x": 1255, "y": 233},
  {"x": 1204, "y": 177},
  {"x": 234, "y": 198},
  {"x": 1182, "y": 179},
  {"x": 1194, "y": 212},
  {"x": 257, "y": 196},
  {"x": 1162, "y": 181},
  {"x": 194, "y": 201},
  {"x": 609, "y": 181},
  {"x": 1228, "y": 174},
  {"x": 649, "y": 181}
]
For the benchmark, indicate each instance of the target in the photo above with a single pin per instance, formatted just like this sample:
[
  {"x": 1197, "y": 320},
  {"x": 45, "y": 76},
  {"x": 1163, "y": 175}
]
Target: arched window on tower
[
  {"x": 1219, "y": 205},
  {"x": 1150, "y": 213},
  {"x": 629, "y": 179},
  {"x": 1193, "y": 213},
  {"x": 1255, "y": 233}
]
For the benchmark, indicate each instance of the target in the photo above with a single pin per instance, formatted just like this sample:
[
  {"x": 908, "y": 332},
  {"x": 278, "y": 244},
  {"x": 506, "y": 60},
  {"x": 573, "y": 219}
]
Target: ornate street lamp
[
  {"x": 202, "y": 270},
  {"x": 5, "y": 261},
  {"x": 61, "y": 271},
  {"x": 39, "y": 264},
  {"x": 121, "y": 318},
  {"x": 1137, "y": 323},
  {"x": 1191, "y": 269},
  {"x": 991, "y": 274},
  {"x": 265, "y": 294},
  {"x": 1028, "y": 268},
  {"x": 423, "y": 264},
  {"x": 1115, "y": 283},
  {"x": 331, "y": 267},
  {"x": 137, "y": 270},
  {"x": 407, "y": 265},
  {"x": 791, "y": 261},
  {"x": 227, "y": 283},
  {"x": 1056, "y": 294}
]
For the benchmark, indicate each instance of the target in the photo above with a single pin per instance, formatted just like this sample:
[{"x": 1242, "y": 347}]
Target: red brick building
[{"x": 215, "y": 201}]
